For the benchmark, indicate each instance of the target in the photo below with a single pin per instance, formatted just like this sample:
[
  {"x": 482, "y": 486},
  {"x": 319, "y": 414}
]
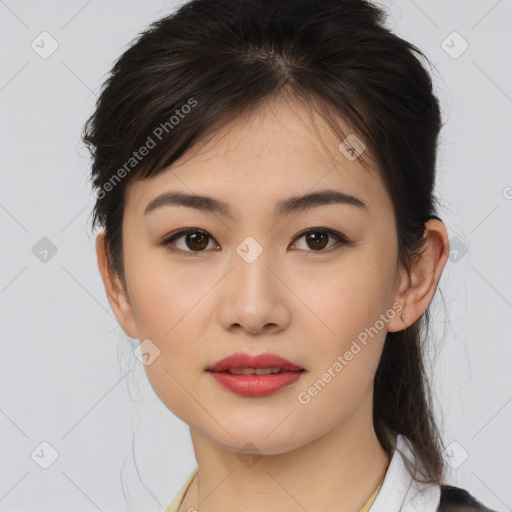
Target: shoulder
[{"x": 455, "y": 499}]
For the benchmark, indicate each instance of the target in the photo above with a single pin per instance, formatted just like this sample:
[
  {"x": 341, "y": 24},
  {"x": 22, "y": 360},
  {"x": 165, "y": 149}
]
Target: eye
[
  {"x": 317, "y": 239},
  {"x": 197, "y": 240}
]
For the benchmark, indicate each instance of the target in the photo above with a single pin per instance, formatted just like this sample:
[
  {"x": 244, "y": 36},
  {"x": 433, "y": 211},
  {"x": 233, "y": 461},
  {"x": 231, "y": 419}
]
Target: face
[{"x": 305, "y": 284}]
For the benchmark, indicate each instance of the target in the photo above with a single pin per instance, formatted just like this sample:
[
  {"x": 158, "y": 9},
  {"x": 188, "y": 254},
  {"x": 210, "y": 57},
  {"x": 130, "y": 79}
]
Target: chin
[{"x": 262, "y": 441}]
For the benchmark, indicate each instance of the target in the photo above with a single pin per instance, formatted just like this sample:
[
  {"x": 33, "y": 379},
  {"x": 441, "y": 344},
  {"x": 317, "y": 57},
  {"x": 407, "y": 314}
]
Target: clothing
[
  {"x": 398, "y": 492},
  {"x": 176, "y": 502},
  {"x": 371, "y": 499},
  {"x": 454, "y": 499}
]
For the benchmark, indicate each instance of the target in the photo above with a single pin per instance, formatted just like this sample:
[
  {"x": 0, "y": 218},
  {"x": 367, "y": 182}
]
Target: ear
[
  {"x": 416, "y": 287},
  {"x": 116, "y": 294}
]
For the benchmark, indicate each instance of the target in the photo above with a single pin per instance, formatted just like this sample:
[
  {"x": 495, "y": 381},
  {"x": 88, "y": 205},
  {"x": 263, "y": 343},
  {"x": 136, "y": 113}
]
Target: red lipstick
[{"x": 255, "y": 375}]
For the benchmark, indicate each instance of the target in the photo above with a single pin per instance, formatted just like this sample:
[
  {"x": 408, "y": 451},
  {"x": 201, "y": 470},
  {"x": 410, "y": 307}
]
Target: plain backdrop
[{"x": 76, "y": 409}]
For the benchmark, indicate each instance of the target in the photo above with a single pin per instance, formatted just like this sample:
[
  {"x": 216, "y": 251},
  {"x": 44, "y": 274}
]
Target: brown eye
[
  {"x": 317, "y": 239},
  {"x": 195, "y": 241}
]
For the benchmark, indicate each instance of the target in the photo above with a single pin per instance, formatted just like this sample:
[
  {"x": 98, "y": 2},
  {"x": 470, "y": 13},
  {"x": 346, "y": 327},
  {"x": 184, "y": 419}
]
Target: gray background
[{"x": 61, "y": 379}]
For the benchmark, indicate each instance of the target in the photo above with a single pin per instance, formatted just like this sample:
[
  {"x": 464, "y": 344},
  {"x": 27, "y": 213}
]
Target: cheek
[
  {"x": 354, "y": 306},
  {"x": 163, "y": 296},
  {"x": 344, "y": 364},
  {"x": 352, "y": 295}
]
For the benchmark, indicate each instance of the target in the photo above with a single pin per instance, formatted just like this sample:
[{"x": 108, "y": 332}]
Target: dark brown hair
[{"x": 193, "y": 71}]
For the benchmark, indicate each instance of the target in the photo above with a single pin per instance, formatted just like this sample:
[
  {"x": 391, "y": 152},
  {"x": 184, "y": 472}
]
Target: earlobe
[
  {"x": 418, "y": 286},
  {"x": 116, "y": 294}
]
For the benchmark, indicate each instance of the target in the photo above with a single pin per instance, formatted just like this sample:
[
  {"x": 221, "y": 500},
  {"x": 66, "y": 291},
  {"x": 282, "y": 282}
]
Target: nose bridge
[
  {"x": 252, "y": 274},
  {"x": 251, "y": 297}
]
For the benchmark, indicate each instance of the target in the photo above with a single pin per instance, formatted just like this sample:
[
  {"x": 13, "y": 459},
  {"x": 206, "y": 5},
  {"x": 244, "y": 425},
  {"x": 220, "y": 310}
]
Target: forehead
[{"x": 278, "y": 150}]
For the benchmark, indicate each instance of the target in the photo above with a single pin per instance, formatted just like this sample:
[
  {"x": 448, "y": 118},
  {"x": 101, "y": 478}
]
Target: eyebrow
[{"x": 283, "y": 207}]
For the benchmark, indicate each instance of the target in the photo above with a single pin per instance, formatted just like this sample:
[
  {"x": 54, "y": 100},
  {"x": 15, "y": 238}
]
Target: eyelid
[
  {"x": 339, "y": 237},
  {"x": 167, "y": 241}
]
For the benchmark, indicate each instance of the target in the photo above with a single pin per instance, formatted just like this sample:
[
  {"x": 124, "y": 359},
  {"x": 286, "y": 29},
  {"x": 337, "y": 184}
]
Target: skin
[{"x": 294, "y": 300}]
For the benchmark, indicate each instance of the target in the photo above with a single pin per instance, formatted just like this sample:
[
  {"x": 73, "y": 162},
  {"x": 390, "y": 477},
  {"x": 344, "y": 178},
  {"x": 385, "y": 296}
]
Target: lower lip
[{"x": 256, "y": 385}]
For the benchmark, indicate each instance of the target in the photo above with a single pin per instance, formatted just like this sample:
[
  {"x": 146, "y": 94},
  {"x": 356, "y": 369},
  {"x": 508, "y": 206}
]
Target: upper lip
[{"x": 241, "y": 360}]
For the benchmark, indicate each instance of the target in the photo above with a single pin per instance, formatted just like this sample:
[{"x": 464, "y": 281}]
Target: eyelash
[{"x": 340, "y": 238}]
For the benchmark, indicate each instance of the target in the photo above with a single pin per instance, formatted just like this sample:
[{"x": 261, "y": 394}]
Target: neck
[{"x": 337, "y": 471}]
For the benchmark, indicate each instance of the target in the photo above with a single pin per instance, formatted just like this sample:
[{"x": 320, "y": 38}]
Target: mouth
[
  {"x": 256, "y": 382},
  {"x": 255, "y": 375},
  {"x": 248, "y": 364},
  {"x": 256, "y": 371}
]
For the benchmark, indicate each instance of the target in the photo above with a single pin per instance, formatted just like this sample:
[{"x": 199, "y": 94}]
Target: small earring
[{"x": 403, "y": 318}]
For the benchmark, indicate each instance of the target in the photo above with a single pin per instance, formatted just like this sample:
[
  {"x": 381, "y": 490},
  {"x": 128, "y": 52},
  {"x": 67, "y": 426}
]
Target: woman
[{"x": 264, "y": 172}]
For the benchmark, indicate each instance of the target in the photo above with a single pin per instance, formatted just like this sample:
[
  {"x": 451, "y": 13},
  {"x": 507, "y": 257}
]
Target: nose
[{"x": 253, "y": 298}]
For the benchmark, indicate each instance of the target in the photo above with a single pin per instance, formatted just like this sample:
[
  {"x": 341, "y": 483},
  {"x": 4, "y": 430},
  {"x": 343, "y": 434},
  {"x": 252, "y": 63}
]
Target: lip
[
  {"x": 241, "y": 360},
  {"x": 255, "y": 385}
]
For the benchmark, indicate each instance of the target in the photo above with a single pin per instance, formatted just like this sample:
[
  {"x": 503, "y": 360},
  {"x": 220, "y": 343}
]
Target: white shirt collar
[{"x": 399, "y": 491}]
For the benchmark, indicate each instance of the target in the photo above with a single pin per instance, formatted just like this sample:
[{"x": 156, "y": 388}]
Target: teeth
[{"x": 253, "y": 371}]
